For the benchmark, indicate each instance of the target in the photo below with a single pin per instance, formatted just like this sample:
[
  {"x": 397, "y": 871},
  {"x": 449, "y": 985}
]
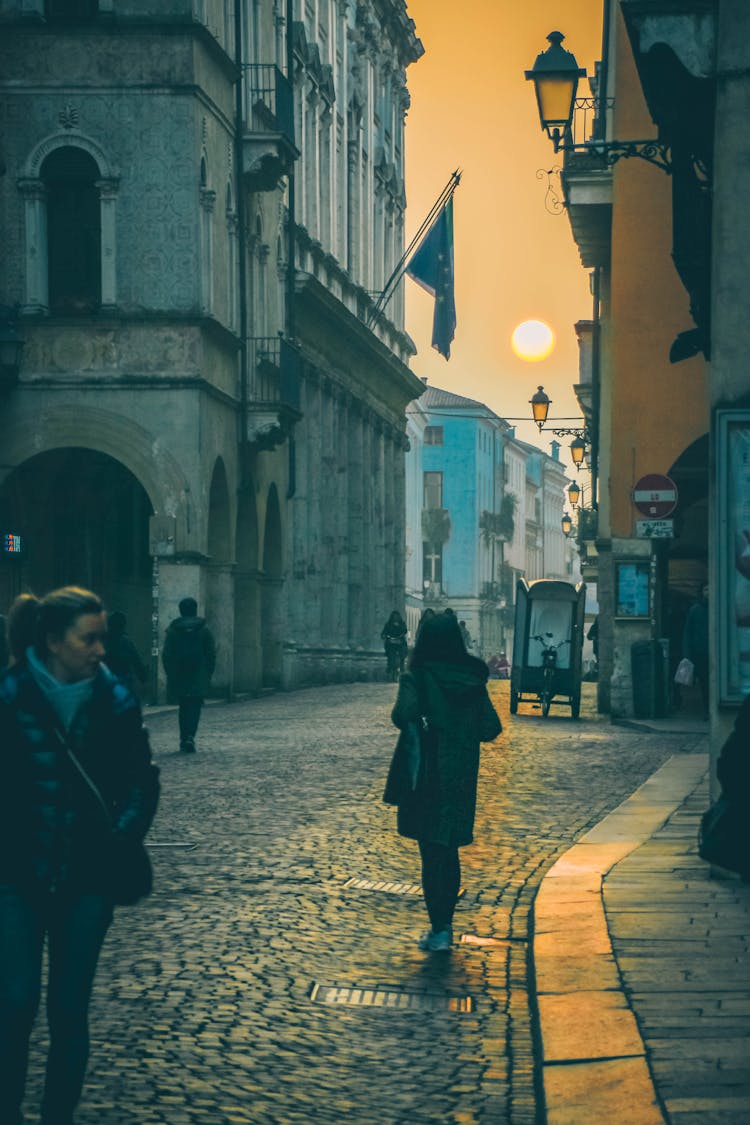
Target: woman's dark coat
[
  {"x": 455, "y": 700},
  {"x": 733, "y": 766},
  {"x": 53, "y": 832}
]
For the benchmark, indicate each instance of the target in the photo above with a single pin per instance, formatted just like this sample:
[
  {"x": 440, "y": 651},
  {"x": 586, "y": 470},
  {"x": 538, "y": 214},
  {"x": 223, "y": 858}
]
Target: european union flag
[{"x": 431, "y": 266}]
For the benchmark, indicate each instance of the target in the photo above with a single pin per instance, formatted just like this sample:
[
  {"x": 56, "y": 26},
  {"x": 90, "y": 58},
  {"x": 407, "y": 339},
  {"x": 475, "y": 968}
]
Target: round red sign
[{"x": 655, "y": 496}]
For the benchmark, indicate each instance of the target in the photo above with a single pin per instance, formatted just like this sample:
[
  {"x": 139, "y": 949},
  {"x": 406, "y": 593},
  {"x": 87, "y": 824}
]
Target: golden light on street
[{"x": 532, "y": 340}]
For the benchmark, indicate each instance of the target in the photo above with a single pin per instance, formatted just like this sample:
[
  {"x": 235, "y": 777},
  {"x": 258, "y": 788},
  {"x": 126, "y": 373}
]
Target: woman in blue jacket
[{"x": 77, "y": 789}]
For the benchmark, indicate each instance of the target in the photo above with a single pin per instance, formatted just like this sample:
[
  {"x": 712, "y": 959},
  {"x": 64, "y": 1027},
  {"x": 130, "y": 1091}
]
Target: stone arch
[
  {"x": 247, "y": 595},
  {"x": 220, "y": 576},
  {"x": 34, "y": 193},
  {"x": 139, "y": 450},
  {"x": 271, "y": 622},
  {"x": 74, "y": 139},
  {"x": 84, "y": 517}
]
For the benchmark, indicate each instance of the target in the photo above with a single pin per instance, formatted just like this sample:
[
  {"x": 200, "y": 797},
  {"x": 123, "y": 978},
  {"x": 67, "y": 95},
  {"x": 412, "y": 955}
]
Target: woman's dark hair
[
  {"x": 58, "y": 610},
  {"x": 439, "y": 638},
  {"x": 20, "y": 625},
  {"x": 188, "y": 607}
]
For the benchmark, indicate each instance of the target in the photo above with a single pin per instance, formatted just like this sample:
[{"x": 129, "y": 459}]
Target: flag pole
[{"x": 390, "y": 285}]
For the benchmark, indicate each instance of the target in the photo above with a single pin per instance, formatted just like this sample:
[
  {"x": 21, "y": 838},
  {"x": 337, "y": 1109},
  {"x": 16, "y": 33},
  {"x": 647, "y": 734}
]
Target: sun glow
[{"x": 532, "y": 340}]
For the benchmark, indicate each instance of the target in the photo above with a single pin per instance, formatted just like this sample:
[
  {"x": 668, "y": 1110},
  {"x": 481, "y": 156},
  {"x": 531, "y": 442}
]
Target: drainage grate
[
  {"x": 388, "y": 886},
  {"x": 391, "y": 998}
]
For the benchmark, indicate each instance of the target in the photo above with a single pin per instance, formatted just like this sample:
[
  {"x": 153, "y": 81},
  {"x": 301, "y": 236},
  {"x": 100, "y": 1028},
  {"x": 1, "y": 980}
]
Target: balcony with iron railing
[
  {"x": 268, "y": 148},
  {"x": 274, "y": 390},
  {"x": 587, "y": 182}
]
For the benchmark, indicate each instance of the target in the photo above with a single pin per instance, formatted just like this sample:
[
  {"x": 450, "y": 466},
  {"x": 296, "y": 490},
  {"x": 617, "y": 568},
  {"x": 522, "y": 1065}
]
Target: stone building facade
[{"x": 195, "y": 414}]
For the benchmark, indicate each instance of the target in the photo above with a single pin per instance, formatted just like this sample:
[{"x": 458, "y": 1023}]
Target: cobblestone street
[{"x": 206, "y": 1008}]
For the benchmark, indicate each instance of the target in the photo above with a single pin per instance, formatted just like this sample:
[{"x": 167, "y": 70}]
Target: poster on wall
[
  {"x": 733, "y": 510},
  {"x": 632, "y": 589}
]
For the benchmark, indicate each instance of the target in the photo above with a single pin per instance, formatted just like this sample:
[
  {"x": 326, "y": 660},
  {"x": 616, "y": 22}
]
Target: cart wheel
[
  {"x": 513, "y": 701},
  {"x": 545, "y": 700},
  {"x": 575, "y": 704}
]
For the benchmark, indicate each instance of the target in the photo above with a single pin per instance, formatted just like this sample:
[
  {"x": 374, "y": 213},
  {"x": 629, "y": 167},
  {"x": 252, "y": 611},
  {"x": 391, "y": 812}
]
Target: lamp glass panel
[{"x": 556, "y": 94}]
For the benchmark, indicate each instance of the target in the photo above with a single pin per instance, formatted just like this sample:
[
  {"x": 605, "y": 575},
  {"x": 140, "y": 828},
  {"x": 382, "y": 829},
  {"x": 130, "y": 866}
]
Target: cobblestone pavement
[{"x": 205, "y": 1009}]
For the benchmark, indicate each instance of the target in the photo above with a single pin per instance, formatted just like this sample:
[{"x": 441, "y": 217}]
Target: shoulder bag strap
[{"x": 85, "y": 777}]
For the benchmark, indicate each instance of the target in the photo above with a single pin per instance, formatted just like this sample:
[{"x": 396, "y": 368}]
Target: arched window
[{"x": 70, "y": 177}]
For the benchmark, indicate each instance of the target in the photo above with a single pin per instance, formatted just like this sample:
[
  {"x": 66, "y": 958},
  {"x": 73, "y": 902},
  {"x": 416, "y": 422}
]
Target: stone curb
[{"x": 594, "y": 1060}]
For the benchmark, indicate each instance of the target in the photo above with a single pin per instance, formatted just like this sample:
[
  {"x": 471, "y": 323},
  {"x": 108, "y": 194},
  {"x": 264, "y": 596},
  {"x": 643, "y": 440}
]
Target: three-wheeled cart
[{"x": 547, "y": 645}]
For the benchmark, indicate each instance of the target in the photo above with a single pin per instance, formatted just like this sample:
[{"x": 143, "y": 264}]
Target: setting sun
[{"x": 532, "y": 340}]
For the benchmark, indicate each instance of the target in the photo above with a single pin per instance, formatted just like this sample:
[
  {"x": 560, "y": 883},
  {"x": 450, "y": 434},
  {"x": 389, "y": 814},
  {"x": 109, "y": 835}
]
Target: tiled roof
[{"x": 434, "y": 396}]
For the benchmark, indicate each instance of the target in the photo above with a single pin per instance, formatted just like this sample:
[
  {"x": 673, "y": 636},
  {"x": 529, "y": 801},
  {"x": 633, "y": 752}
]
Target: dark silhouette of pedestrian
[
  {"x": 448, "y": 687},
  {"x": 78, "y": 791},
  {"x": 121, "y": 655},
  {"x": 189, "y": 659},
  {"x": 393, "y": 636}
]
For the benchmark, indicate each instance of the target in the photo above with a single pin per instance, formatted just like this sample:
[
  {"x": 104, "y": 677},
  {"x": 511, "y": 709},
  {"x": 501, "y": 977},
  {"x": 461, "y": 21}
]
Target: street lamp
[
  {"x": 574, "y": 493},
  {"x": 577, "y": 450},
  {"x": 566, "y": 524},
  {"x": 540, "y": 404},
  {"x": 555, "y": 76},
  {"x": 11, "y": 346}
]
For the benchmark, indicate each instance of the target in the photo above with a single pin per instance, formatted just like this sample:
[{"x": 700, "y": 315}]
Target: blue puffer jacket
[{"x": 53, "y": 833}]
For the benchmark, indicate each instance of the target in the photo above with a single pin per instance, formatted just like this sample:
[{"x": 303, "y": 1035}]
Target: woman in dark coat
[
  {"x": 57, "y": 842},
  {"x": 448, "y": 687}
]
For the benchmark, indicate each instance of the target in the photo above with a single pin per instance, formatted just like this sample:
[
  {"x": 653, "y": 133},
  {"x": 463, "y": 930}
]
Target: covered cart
[{"x": 547, "y": 644}]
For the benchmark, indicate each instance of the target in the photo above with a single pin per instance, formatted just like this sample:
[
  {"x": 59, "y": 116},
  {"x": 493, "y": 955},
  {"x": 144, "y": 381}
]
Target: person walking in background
[
  {"x": 393, "y": 636},
  {"x": 448, "y": 687},
  {"x": 121, "y": 655},
  {"x": 695, "y": 642},
  {"x": 189, "y": 659},
  {"x": 466, "y": 636},
  {"x": 69, "y": 728}
]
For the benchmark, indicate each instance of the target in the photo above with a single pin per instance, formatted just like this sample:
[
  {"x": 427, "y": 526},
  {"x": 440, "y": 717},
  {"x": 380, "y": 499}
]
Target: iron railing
[
  {"x": 269, "y": 105},
  {"x": 275, "y": 375}
]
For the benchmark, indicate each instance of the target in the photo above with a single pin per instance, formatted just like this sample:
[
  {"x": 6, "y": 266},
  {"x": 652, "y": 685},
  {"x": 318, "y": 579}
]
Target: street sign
[
  {"x": 654, "y": 529},
  {"x": 655, "y": 496}
]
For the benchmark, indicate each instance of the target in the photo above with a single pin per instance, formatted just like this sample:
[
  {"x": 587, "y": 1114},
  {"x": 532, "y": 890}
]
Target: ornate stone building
[{"x": 193, "y": 414}]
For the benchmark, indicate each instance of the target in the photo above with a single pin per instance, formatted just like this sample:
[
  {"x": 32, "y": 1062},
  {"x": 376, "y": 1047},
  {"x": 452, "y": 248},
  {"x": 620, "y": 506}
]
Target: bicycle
[
  {"x": 395, "y": 654},
  {"x": 549, "y": 667}
]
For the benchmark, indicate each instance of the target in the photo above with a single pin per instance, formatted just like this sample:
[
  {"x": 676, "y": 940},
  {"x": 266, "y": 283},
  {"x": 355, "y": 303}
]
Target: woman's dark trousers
[
  {"x": 441, "y": 882},
  {"x": 75, "y": 929}
]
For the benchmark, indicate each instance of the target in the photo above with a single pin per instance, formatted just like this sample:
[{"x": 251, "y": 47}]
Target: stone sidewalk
[{"x": 642, "y": 963}]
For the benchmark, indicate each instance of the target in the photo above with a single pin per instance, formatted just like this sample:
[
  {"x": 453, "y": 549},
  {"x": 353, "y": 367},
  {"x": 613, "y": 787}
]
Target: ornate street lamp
[
  {"x": 566, "y": 524},
  {"x": 11, "y": 346},
  {"x": 577, "y": 450},
  {"x": 555, "y": 75},
  {"x": 540, "y": 404},
  {"x": 574, "y": 493}
]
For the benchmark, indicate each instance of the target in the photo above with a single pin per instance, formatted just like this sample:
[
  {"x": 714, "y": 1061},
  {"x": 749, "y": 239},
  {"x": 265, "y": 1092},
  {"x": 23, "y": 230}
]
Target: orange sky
[{"x": 472, "y": 108}]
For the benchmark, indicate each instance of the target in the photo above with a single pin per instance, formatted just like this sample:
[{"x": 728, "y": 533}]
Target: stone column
[
  {"x": 341, "y": 543},
  {"x": 380, "y": 561},
  {"x": 355, "y": 525},
  {"x": 313, "y": 548},
  {"x": 219, "y": 612},
  {"x": 107, "y": 197},
  {"x": 208, "y": 200},
  {"x": 327, "y": 512},
  {"x": 36, "y": 292},
  {"x": 368, "y": 533}
]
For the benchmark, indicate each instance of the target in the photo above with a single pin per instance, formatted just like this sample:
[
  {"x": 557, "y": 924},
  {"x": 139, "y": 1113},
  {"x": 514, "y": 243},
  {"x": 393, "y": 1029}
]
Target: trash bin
[{"x": 647, "y": 660}]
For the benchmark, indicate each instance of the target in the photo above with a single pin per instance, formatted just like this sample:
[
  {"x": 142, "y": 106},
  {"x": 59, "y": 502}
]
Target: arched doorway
[
  {"x": 219, "y": 592},
  {"x": 247, "y": 611},
  {"x": 84, "y": 519},
  {"x": 271, "y": 626}
]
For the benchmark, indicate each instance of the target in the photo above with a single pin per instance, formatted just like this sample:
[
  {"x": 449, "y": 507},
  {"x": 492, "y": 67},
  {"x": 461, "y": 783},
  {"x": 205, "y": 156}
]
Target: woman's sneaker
[{"x": 440, "y": 941}]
